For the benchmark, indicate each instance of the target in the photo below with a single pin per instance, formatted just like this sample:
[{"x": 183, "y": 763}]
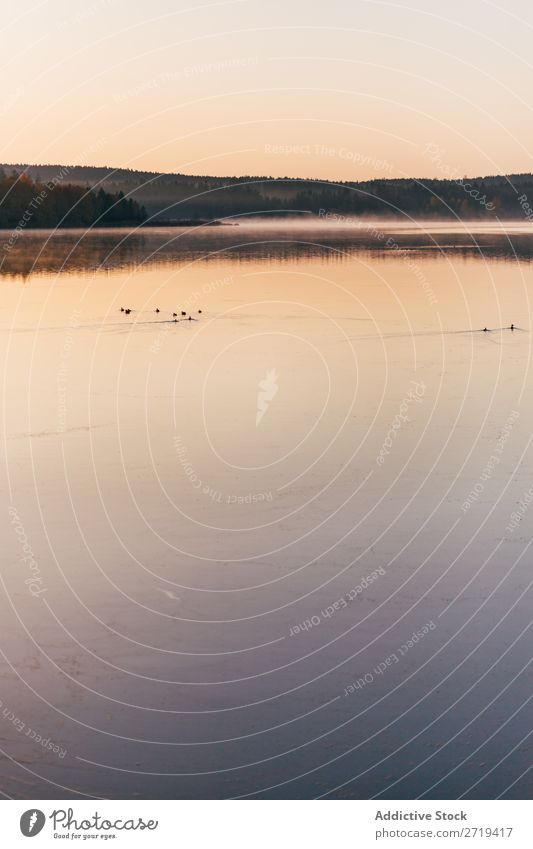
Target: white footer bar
[{"x": 267, "y": 824}]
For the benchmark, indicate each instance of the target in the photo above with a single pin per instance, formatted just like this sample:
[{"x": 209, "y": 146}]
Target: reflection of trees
[
  {"x": 76, "y": 251},
  {"x": 70, "y": 251}
]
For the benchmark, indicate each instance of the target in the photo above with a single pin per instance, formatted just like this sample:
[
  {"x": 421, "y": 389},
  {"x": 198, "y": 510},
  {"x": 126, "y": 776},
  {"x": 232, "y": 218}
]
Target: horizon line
[{"x": 114, "y": 170}]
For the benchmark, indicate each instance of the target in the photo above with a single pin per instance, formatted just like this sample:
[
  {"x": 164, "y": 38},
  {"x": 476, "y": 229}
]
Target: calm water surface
[{"x": 271, "y": 551}]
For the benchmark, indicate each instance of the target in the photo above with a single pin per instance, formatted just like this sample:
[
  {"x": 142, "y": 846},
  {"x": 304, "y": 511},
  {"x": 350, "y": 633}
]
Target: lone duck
[
  {"x": 156, "y": 309},
  {"x": 512, "y": 326},
  {"x": 199, "y": 311},
  {"x": 174, "y": 314},
  {"x": 183, "y": 313},
  {"x": 122, "y": 309}
]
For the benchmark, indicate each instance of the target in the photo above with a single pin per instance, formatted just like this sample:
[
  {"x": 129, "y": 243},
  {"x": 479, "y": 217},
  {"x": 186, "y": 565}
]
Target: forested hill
[
  {"x": 27, "y": 202},
  {"x": 179, "y": 196}
]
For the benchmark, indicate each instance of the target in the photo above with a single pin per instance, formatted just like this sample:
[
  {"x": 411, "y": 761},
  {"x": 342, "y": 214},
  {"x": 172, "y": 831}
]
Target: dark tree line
[
  {"x": 25, "y": 202},
  {"x": 183, "y": 196},
  {"x": 479, "y": 197}
]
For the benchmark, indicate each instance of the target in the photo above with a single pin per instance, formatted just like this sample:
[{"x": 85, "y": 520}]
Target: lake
[{"x": 279, "y": 550}]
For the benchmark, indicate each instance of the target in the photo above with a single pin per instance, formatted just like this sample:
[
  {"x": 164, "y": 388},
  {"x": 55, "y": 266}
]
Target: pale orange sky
[{"x": 339, "y": 90}]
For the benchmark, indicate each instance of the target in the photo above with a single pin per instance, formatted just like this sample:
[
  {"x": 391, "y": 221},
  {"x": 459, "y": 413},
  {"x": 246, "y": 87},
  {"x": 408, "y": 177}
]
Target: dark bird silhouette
[
  {"x": 485, "y": 330},
  {"x": 122, "y": 309},
  {"x": 512, "y": 326},
  {"x": 199, "y": 311},
  {"x": 127, "y": 311},
  {"x": 183, "y": 313},
  {"x": 174, "y": 314},
  {"x": 156, "y": 309},
  {"x": 190, "y": 319}
]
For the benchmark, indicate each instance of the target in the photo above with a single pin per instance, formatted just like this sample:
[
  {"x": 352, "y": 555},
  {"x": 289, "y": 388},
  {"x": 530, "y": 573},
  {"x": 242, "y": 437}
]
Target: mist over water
[{"x": 248, "y": 239}]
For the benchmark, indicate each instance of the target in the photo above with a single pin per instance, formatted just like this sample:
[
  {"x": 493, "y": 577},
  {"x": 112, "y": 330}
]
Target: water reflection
[{"x": 75, "y": 251}]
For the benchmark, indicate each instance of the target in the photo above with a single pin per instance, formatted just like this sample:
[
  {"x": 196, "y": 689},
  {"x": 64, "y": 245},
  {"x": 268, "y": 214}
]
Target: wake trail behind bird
[
  {"x": 425, "y": 333},
  {"x": 98, "y": 325}
]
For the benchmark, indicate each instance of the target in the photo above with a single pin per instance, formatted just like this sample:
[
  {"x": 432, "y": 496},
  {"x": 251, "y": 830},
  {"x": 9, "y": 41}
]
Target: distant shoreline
[
  {"x": 205, "y": 200},
  {"x": 124, "y": 225},
  {"x": 188, "y": 222}
]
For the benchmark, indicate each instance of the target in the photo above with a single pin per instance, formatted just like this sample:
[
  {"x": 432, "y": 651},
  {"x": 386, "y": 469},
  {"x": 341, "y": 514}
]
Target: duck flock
[{"x": 175, "y": 315}]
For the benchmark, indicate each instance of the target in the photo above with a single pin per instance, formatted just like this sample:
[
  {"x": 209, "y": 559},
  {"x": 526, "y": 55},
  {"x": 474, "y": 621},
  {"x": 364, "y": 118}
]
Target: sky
[{"x": 339, "y": 90}]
